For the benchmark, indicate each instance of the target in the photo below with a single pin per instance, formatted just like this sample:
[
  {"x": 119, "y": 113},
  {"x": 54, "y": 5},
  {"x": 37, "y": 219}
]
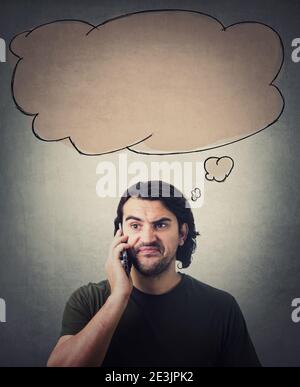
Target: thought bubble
[
  {"x": 218, "y": 169},
  {"x": 157, "y": 82},
  {"x": 195, "y": 194}
]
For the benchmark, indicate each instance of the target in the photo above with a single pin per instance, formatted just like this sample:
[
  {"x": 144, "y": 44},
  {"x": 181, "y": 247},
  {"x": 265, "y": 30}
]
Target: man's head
[{"x": 160, "y": 224}]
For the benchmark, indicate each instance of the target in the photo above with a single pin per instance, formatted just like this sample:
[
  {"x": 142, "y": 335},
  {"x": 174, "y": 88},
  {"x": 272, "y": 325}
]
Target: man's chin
[
  {"x": 146, "y": 264},
  {"x": 150, "y": 266},
  {"x": 148, "y": 271}
]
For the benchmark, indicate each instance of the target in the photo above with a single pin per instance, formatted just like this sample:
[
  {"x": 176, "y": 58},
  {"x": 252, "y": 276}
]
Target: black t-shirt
[{"x": 193, "y": 324}]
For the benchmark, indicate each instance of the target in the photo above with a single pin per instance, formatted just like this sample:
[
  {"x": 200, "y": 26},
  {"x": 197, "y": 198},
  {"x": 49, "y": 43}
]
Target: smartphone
[{"x": 124, "y": 257}]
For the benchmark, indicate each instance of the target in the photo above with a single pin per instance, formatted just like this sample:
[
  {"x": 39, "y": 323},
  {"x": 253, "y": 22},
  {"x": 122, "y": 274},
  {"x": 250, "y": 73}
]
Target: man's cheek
[{"x": 132, "y": 240}]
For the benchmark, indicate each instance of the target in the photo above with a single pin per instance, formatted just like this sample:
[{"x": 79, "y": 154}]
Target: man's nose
[{"x": 148, "y": 235}]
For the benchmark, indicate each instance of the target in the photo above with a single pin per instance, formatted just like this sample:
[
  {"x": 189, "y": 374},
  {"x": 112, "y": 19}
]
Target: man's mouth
[{"x": 148, "y": 250}]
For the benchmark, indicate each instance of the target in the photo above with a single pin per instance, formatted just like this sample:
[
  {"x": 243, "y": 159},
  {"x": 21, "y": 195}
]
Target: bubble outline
[{"x": 128, "y": 147}]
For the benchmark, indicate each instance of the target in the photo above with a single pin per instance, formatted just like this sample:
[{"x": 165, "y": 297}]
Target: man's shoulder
[
  {"x": 208, "y": 292},
  {"x": 92, "y": 290}
]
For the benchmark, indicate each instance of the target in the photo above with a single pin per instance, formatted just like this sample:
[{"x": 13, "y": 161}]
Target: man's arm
[{"x": 89, "y": 346}]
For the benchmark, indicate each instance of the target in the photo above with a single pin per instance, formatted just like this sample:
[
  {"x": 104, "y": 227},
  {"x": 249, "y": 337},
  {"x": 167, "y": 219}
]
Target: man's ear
[{"x": 183, "y": 234}]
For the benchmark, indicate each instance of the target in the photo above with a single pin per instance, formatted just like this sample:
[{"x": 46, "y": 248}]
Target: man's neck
[{"x": 155, "y": 285}]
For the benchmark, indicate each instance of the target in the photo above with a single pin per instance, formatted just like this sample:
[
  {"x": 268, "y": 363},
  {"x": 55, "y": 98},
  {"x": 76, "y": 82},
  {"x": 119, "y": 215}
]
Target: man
[{"x": 156, "y": 316}]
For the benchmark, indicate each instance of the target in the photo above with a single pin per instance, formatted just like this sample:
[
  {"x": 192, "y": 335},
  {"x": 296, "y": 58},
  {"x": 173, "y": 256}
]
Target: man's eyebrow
[
  {"x": 163, "y": 219},
  {"x": 129, "y": 217}
]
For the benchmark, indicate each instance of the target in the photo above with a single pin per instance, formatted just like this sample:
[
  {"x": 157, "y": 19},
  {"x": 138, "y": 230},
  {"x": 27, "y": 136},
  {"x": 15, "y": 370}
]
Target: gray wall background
[{"x": 55, "y": 231}]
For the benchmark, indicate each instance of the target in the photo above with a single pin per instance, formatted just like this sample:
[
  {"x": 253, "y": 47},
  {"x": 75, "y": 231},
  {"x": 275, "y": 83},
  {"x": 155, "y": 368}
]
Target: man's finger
[{"x": 118, "y": 240}]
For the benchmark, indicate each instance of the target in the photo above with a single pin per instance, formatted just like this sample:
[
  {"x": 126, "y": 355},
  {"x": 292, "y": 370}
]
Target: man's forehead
[{"x": 144, "y": 208}]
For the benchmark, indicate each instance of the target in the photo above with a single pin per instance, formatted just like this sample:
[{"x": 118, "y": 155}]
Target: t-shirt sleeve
[
  {"x": 238, "y": 349},
  {"x": 76, "y": 314}
]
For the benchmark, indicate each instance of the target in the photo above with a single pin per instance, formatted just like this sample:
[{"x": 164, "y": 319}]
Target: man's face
[{"x": 153, "y": 231}]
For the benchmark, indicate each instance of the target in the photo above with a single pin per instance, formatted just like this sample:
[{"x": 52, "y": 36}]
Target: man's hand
[{"x": 120, "y": 284}]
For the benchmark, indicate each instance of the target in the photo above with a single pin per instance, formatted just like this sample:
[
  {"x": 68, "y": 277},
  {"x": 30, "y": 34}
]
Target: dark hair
[{"x": 175, "y": 202}]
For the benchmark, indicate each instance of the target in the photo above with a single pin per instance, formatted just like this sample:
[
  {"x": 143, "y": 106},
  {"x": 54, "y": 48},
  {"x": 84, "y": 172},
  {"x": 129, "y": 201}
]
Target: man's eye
[
  {"x": 134, "y": 226},
  {"x": 161, "y": 225}
]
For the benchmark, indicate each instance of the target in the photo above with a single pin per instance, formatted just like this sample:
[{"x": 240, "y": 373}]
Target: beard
[{"x": 157, "y": 267}]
